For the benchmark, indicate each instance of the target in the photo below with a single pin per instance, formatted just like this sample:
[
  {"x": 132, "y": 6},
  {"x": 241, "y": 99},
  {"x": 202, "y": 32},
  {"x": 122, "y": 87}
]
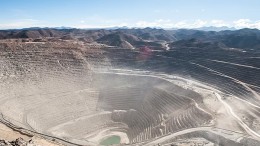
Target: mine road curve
[
  {"x": 168, "y": 137},
  {"x": 241, "y": 123},
  {"x": 248, "y": 66}
]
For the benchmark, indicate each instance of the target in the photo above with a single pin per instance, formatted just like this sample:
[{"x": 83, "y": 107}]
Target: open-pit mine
[{"x": 85, "y": 90}]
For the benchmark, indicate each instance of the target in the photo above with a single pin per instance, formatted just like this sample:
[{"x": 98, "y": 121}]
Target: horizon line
[{"x": 127, "y": 27}]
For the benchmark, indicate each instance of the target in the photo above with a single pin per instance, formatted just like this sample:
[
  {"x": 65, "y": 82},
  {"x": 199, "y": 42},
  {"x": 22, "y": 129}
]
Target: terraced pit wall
[{"x": 56, "y": 88}]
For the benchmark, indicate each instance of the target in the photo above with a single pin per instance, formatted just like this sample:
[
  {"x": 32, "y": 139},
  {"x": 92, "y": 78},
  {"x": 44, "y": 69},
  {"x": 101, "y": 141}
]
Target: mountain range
[{"x": 153, "y": 37}]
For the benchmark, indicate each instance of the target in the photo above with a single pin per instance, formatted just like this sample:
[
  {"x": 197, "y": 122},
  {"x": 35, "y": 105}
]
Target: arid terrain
[{"x": 130, "y": 87}]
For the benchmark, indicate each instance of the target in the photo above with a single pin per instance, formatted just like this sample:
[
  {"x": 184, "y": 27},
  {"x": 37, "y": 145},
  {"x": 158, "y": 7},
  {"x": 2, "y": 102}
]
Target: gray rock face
[{"x": 17, "y": 142}]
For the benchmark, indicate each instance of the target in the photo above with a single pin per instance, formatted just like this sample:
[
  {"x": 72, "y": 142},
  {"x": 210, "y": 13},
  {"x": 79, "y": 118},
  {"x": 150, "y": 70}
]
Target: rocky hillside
[
  {"x": 119, "y": 39},
  {"x": 136, "y": 38}
]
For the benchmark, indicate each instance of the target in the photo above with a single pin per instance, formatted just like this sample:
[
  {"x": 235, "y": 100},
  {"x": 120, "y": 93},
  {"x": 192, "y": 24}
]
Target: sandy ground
[{"x": 8, "y": 134}]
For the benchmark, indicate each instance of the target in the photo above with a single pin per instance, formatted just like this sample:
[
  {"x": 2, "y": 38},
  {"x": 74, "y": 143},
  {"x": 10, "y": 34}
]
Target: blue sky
[{"x": 131, "y": 13}]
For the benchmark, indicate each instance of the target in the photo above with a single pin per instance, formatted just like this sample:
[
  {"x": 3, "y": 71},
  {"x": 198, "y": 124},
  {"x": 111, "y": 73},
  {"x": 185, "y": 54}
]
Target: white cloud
[
  {"x": 199, "y": 23},
  {"x": 163, "y": 23},
  {"x": 219, "y": 23},
  {"x": 242, "y": 23},
  {"x": 188, "y": 24},
  {"x": 246, "y": 23},
  {"x": 167, "y": 23},
  {"x": 180, "y": 24},
  {"x": 96, "y": 22}
]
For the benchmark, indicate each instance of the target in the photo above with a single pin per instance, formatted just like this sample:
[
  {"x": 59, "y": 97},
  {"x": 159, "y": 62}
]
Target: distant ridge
[{"x": 135, "y": 38}]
